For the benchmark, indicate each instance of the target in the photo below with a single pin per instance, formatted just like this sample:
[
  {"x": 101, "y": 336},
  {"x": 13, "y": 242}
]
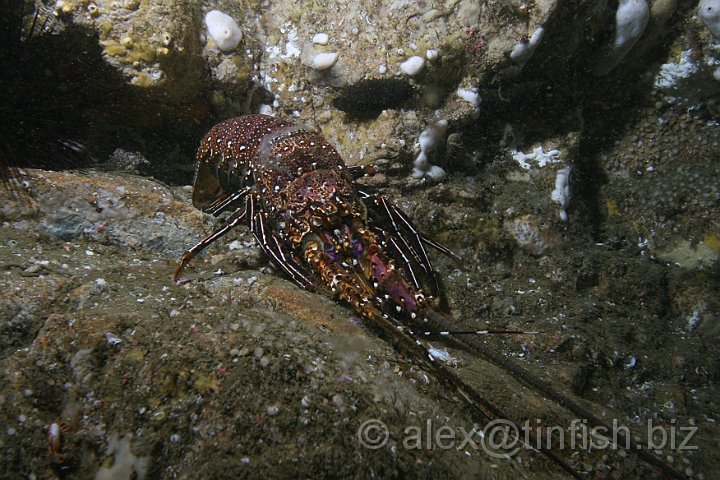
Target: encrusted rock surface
[{"x": 238, "y": 372}]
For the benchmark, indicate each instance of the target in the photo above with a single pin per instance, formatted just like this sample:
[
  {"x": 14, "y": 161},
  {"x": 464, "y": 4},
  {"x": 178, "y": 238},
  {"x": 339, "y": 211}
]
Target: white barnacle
[{"x": 242, "y": 147}]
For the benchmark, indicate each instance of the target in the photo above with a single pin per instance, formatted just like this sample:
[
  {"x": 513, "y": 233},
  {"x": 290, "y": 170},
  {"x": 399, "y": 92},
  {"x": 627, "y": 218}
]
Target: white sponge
[
  {"x": 709, "y": 13},
  {"x": 412, "y": 66},
  {"x": 561, "y": 194},
  {"x": 223, "y": 29},
  {"x": 631, "y": 19},
  {"x": 428, "y": 140}
]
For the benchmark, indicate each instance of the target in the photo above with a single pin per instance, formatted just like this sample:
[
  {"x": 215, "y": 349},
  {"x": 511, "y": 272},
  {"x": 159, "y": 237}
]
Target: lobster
[{"x": 292, "y": 189}]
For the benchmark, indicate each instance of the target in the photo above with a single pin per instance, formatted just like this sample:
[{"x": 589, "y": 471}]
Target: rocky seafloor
[{"x": 580, "y": 190}]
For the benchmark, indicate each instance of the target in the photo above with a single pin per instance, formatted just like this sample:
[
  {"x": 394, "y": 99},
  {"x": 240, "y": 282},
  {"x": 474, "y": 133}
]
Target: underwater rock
[
  {"x": 153, "y": 44},
  {"x": 107, "y": 331},
  {"x": 126, "y": 211}
]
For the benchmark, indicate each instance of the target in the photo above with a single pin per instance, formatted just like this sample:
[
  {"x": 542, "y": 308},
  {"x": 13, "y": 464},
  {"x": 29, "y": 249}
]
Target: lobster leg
[
  {"x": 397, "y": 215},
  {"x": 237, "y": 217},
  {"x": 408, "y": 262},
  {"x": 408, "y": 241},
  {"x": 222, "y": 203},
  {"x": 358, "y": 171},
  {"x": 415, "y": 247},
  {"x": 274, "y": 247}
]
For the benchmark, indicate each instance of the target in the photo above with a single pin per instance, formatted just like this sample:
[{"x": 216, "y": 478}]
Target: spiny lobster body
[
  {"x": 303, "y": 208},
  {"x": 297, "y": 196}
]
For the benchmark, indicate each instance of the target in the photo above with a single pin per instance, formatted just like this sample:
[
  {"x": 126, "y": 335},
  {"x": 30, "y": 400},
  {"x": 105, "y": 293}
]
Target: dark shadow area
[
  {"x": 365, "y": 99},
  {"x": 557, "y": 94},
  {"x": 62, "y": 106}
]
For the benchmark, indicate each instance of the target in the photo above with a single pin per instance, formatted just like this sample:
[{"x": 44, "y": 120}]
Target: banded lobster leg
[
  {"x": 407, "y": 241},
  {"x": 215, "y": 209},
  {"x": 253, "y": 217},
  {"x": 274, "y": 247}
]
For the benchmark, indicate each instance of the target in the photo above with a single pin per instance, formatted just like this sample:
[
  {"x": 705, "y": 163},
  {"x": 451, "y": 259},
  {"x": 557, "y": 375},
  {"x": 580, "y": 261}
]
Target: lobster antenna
[
  {"x": 474, "y": 344},
  {"x": 483, "y": 332}
]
